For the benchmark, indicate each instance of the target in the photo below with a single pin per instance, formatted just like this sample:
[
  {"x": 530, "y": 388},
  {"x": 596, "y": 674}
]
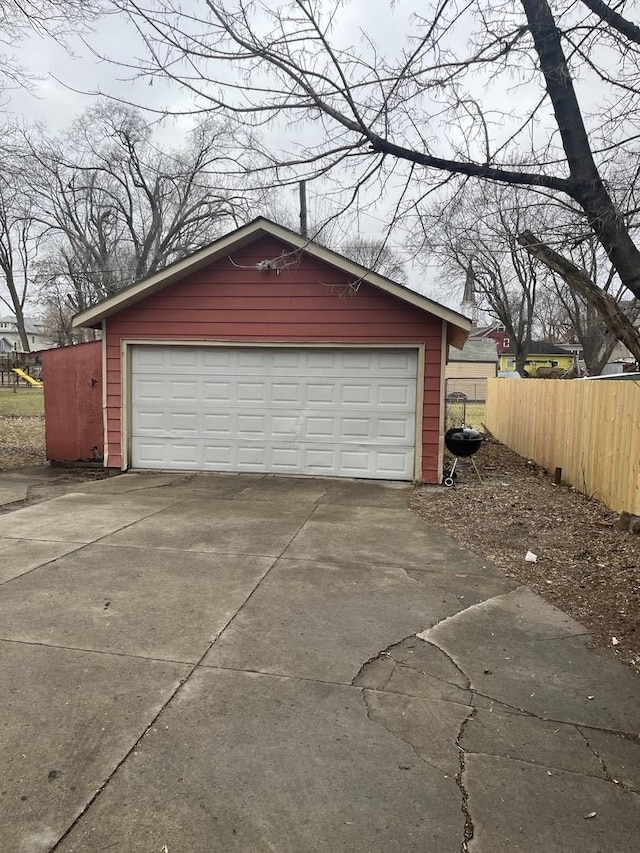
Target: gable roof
[
  {"x": 480, "y": 332},
  {"x": 482, "y": 350},
  {"x": 458, "y": 325},
  {"x": 30, "y": 326},
  {"x": 540, "y": 348}
]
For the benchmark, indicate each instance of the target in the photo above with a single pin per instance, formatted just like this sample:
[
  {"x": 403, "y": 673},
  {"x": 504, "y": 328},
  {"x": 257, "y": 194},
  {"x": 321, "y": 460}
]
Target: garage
[
  {"x": 265, "y": 352},
  {"x": 326, "y": 411}
]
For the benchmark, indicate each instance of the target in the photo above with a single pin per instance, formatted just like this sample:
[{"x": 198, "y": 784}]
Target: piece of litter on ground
[
  {"x": 615, "y": 641},
  {"x": 590, "y": 815},
  {"x": 530, "y": 557},
  {"x": 591, "y": 697}
]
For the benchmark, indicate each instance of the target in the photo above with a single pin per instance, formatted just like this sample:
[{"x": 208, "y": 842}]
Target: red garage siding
[
  {"x": 73, "y": 402},
  {"x": 306, "y": 302}
]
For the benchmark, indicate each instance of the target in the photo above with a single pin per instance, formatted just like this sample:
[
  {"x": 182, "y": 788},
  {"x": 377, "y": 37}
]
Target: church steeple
[{"x": 468, "y": 305}]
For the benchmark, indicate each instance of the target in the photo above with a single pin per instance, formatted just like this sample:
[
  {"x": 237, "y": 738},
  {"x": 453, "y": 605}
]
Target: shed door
[{"x": 323, "y": 411}]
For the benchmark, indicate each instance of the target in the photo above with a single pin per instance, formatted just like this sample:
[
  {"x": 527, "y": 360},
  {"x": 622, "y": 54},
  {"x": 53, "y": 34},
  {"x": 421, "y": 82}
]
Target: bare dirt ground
[
  {"x": 21, "y": 441},
  {"x": 585, "y": 564}
]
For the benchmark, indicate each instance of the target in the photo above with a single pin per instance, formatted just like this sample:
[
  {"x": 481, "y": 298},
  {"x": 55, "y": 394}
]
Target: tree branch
[
  {"x": 578, "y": 280},
  {"x": 614, "y": 19}
]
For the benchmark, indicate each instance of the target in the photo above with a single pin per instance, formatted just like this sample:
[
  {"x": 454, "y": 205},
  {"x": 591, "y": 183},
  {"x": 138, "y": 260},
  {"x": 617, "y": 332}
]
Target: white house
[{"x": 10, "y": 337}]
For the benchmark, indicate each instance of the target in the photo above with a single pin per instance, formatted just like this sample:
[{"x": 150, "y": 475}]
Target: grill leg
[
  {"x": 450, "y": 479},
  {"x": 475, "y": 468}
]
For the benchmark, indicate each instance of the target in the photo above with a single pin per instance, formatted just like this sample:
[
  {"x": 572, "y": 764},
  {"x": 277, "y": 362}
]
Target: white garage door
[{"x": 332, "y": 412}]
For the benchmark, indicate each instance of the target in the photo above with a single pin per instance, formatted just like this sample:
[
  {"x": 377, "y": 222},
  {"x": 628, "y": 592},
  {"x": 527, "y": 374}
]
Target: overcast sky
[
  {"x": 54, "y": 103},
  {"x": 65, "y": 81}
]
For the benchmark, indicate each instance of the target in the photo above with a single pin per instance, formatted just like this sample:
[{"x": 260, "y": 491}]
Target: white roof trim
[{"x": 247, "y": 234}]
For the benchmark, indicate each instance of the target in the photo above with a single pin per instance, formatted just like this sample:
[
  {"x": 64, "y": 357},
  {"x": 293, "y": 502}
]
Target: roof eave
[{"x": 459, "y": 325}]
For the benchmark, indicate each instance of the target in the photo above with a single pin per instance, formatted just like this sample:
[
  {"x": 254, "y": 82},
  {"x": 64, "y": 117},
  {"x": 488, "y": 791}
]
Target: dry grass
[
  {"x": 21, "y": 428},
  {"x": 23, "y": 402},
  {"x": 471, "y": 414}
]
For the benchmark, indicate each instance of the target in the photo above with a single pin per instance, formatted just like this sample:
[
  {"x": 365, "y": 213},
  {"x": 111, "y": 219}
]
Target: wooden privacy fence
[{"x": 589, "y": 429}]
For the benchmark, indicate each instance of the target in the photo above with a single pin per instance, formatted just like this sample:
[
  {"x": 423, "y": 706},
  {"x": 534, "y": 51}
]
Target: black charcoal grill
[{"x": 462, "y": 442}]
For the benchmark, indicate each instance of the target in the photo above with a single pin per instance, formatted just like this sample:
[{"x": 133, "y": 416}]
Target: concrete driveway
[{"x": 203, "y": 664}]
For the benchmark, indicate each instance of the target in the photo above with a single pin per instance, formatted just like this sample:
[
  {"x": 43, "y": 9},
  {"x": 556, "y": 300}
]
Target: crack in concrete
[
  {"x": 563, "y": 637},
  {"x": 384, "y": 653},
  {"x": 608, "y": 775},
  {"x": 46, "y": 562},
  {"x": 89, "y": 651},
  {"x": 395, "y": 666},
  {"x": 408, "y": 574},
  {"x": 281, "y": 675},
  {"x": 469, "y": 828},
  {"x": 181, "y": 683},
  {"x": 428, "y": 674},
  {"x": 259, "y": 584},
  {"x": 452, "y": 660},
  {"x": 408, "y": 743},
  {"x": 523, "y": 711}
]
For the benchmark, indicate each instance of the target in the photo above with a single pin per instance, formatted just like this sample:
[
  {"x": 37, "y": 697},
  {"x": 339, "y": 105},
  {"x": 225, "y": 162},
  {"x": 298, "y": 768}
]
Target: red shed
[
  {"x": 73, "y": 402},
  {"x": 265, "y": 352}
]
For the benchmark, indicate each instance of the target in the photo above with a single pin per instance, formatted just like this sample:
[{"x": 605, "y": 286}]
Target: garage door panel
[
  {"x": 184, "y": 422},
  {"x": 251, "y": 426},
  {"x": 285, "y": 393},
  {"x": 318, "y": 428},
  {"x": 325, "y": 412},
  {"x": 356, "y": 395},
  {"x": 395, "y": 429},
  {"x": 149, "y": 389},
  {"x": 219, "y": 391},
  {"x": 320, "y": 394},
  {"x": 252, "y": 393},
  {"x": 183, "y": 390},
  {"x": 397, "y": 396},
  {"x": 217, "y": 425},
  {"x": 285, "y": 458},
  {"x": 218, "y": 457},
  {"x": 285, "y": 427}
]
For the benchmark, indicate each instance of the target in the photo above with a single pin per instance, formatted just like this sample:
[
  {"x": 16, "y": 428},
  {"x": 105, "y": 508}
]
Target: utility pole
[{"x": 303, "y": 209}]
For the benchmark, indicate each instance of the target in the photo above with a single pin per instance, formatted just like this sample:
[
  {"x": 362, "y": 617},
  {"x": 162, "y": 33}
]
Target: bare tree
[
  {"x": 617, "y": 321},
  {"x": 292, "y": 62},
  {"x": 563, "y": 317},
  {"x": 20, "y": 235},
  {"x": 119, "y": 207},
  {"x": 375, "y": 254},
  {"x": 55, "y": 19},
  {"x": 475, "y": 234},
  {"x": 567, "y": 316}
]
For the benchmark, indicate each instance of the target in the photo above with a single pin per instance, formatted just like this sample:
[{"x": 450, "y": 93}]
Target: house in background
[
  {"x": 10, "y": 337},
  {"x": 543, "y": 360},
  {"x": 495, "y": 332},
  {"x": 263, "y": 352},
  {"x": 468, "y": 369}
]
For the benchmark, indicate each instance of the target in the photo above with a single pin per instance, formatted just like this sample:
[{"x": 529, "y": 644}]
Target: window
[{"x": 506, "y": 343}]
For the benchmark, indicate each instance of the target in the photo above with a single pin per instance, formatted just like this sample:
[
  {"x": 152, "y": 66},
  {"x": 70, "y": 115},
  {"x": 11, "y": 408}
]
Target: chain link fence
[{"x": 465, "y": 401}]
